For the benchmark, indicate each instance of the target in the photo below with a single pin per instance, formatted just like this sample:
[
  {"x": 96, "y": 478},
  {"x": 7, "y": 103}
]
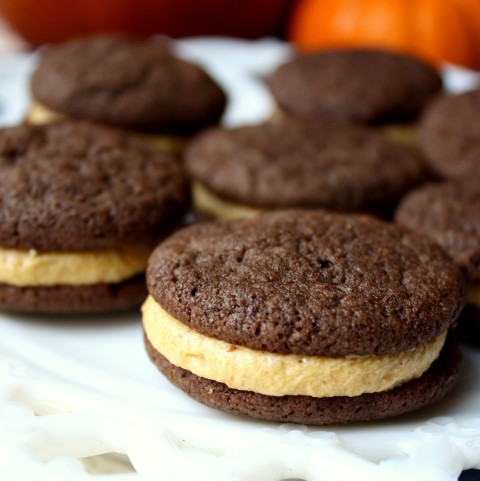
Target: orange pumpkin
[{"x": 435, "y": 30}]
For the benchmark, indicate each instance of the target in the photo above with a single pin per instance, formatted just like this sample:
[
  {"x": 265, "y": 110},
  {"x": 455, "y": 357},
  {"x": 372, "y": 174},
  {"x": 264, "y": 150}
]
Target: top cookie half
[
  {"x": 449, "y": 135},
  {"x": 73, "y": 186},
  {"x": 449, "y": 213},
  {"x": 127, "y": 82},
  {"x": 366, "y": 86}
]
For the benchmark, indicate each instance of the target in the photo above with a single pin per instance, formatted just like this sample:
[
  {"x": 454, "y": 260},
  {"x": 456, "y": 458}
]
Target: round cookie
[
  {"x": 449, "y": 135},
  {"x": 449, "y": 213},
  {"x": 304, "y": 316},
  {"x": 238, "y": 172},
  {"x": 124, "y": 82},
  {"x": 81, "y": 208},
  {"x": 366, "y": 86}
]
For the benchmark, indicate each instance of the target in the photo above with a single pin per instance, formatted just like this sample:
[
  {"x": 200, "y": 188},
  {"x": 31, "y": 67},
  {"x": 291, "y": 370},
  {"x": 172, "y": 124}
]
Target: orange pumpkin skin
[
  {"x": 46, "y": 21},
  {"x": 436, "y": 30}
]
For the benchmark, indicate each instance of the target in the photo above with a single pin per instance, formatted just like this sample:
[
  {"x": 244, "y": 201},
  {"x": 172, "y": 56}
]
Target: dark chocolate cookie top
[
  {"x": 127, "y": 82},
  {"x": 449, "y": 135},
  {"x": 303, "y": 164},
  {"x": 309, "y": 283},
  {"x": 450, "y": 214},
  {"x": 77, "y": 186},
  {"x": 367, "y": 86}
]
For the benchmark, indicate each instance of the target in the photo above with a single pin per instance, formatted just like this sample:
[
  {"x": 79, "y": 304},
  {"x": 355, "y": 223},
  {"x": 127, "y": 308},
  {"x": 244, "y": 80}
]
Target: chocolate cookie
[
  {"x": 81, "y": 207},
  {"x": 304, "y": 306},
  {"x": 366, "y": 86},
  {"x": 338, "y": 166},
  {"x": 75, "y": 299},
  {"x": 127, "y": 82},
  {"x": 449, "y": 135},
  {"x": 450, "y": 214}
]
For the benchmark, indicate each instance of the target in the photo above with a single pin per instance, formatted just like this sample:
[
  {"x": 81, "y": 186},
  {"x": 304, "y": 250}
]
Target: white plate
[
  {"x": 96, "y": 369},
  {"x": 73, "y": 388}
]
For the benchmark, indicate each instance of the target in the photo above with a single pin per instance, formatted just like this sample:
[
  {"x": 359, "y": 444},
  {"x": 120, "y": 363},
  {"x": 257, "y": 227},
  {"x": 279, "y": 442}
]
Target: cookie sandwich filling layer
[
  {"x": 209, "y": 203},
  {"x": 32, "y": 268},
  {"x": 401, "y": 133},
  {"x": 274, "y": 374},
  {"x": 39, "y": 114}
]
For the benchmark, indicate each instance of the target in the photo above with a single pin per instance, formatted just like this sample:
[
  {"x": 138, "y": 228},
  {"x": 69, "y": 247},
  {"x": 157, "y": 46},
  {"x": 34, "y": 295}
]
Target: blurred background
[
  {"x": 47, "y": 21},
  {"x": 436, "y": 30}
]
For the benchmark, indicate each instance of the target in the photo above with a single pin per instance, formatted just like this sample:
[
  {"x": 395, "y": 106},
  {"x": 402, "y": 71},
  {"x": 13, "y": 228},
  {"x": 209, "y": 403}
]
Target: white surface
[{"x": 76, "y": 387}]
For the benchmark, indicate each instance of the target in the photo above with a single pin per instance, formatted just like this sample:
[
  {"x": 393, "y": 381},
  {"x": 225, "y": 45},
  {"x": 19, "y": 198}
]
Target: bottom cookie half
[
  {"x": 413, "y": 395},
  {"x": 75, "y": 299}
]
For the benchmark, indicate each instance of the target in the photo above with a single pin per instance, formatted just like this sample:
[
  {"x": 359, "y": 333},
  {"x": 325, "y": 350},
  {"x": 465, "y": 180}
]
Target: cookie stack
[
  {"x": 448, "y": 211},
  {"x": 315, "y": 315},
  {"x": 83, "y": 203},
  {"x": 296, "y": 298}
]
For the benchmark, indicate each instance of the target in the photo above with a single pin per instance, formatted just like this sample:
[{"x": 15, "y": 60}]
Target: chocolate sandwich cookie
[
  {"x": 81, "y": 207},
  {"x": 125, "y": 82},
  {"x": 304, "y": 316},
  {"x": 449, "y": 213},
  {"x": 449, "y": 135},
  {"x": 339, "y": 166},
  {"x": 367, "y": 86}
]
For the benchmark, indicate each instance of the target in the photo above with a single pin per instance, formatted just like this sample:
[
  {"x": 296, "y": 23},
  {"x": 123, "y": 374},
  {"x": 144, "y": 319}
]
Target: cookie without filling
[
  {"x": 449, "y": 135},
  {"x": 365, "y": 86}
]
